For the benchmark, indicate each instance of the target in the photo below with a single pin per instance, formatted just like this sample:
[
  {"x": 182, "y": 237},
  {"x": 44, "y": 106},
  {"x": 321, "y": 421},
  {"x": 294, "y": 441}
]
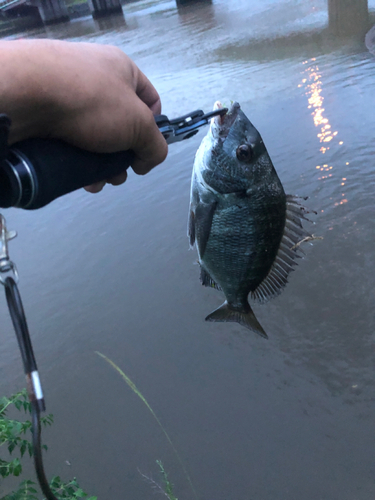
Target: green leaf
[
  {"x": 11, "y": 446},
  {"x": 18, "y": 404},
  {"x": 26, "y": 406},
  {"x": 4, "y": 468},
  {"x": 23, "y": 448},
  {"x": 17, "y": 467},
  {"x": 55, "y": 482}
]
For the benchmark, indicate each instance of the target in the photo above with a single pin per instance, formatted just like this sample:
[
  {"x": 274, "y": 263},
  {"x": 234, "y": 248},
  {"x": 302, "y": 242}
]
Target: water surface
[{"x": 288, "y": 418}]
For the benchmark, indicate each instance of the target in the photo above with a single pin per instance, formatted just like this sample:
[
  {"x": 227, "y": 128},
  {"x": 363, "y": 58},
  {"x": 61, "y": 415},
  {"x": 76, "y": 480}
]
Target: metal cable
[
  {"x": 37, "y": 447},
  {"x": 32, "y": 378}
]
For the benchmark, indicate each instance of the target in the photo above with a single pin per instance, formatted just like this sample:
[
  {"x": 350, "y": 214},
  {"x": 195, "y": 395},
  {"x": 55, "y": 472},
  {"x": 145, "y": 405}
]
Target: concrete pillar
[
  {"x": 52, "y": 11},
  {"x": 348, "y": 16},
  {"x": 102, "y": 8}
]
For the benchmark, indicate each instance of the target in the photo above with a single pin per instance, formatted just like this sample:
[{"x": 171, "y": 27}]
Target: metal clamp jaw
[
  {"x": 7, "y": 267},
  {"x": 186, "y": 126}
]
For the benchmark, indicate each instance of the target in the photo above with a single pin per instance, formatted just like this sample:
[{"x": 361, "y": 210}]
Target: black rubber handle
[{"x": 60, "y": 168}]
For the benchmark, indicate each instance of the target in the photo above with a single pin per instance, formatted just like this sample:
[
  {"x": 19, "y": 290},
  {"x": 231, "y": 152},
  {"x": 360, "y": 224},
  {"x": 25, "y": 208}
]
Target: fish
[{"x": 246, "y": 230}]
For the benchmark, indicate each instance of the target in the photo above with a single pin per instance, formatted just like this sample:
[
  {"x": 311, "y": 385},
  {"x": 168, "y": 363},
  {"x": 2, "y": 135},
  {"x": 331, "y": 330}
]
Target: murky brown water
[{"x": 289, "y": 418}]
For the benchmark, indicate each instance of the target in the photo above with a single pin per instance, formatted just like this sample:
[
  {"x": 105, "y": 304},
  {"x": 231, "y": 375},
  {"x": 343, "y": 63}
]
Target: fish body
[{"x": 240, "y": 219}]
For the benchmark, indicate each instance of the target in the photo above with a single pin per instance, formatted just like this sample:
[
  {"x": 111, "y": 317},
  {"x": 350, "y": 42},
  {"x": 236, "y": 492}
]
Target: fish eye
[{"x": 244, "y": 152}]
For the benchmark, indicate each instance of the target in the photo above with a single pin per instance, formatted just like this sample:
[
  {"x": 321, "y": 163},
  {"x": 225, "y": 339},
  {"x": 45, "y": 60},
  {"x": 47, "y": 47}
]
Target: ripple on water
[{"x": 117, "y": 272}]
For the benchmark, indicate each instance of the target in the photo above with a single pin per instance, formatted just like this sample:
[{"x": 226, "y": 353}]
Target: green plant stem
[{"x": 134, "y": 388}]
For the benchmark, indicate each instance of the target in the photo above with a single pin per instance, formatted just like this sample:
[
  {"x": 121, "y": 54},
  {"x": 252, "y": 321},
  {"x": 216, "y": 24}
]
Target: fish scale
[{"x": 246, "y": 230}]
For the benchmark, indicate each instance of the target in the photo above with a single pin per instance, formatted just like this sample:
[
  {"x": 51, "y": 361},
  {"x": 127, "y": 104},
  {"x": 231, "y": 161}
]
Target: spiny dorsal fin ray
[
  {"x": 295, "y": 217},
  {"x": 287, "y": 255},
  {"x": 277, "y": 278}
]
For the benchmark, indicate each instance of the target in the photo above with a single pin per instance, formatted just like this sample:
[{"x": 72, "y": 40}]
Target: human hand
[{"x": 89, "y": 95}]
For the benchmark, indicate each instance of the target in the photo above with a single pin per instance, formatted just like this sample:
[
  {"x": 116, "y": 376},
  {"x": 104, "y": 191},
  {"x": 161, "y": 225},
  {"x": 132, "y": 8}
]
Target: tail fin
[{"x": 226, "y": 314}]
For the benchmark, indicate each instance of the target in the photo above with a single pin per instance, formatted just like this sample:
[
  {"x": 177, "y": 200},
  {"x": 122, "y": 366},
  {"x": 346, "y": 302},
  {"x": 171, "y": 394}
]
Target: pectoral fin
[
  {"x": 203, "y": 216},
  {"x": 191, "y": 228}
]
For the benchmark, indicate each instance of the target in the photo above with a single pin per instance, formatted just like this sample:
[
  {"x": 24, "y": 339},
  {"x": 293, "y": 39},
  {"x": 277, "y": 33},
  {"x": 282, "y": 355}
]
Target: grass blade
[{"x": 134, "y": 388}]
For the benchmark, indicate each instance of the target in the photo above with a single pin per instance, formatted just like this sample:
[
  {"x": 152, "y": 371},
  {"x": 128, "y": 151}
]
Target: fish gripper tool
[
  {"x": 34, "y": 172},
  {"x": 185, "y": 126}
]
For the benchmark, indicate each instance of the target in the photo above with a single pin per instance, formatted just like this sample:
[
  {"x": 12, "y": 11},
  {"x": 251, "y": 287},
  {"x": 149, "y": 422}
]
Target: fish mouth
[{"x": 221, "y": 124}]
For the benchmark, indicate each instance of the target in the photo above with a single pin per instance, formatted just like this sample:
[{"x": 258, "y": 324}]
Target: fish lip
[{"x": 221, "y": 124}]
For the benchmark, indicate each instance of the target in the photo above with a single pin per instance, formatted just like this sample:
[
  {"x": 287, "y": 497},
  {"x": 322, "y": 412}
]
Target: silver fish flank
[{"x": 245, "y": 228}]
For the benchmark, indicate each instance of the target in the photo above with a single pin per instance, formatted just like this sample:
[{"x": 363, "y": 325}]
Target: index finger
[{"x": 147, "y": 93}]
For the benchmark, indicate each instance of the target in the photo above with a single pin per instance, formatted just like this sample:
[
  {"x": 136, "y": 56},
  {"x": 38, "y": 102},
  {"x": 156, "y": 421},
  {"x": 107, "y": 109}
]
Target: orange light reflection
[{"x": 312, "y": 82}]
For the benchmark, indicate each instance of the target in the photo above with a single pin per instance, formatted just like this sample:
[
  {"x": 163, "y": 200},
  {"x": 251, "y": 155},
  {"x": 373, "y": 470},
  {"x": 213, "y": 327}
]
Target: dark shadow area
[
  {"x": 22, "y": 10},
  {"x": 110, "y": 22},
  {"x": 20, "y": 18},
  {"x": 106, "y": 11},
  {"x": 182, "y": 3},
  {"x": 197, "y": 12}
]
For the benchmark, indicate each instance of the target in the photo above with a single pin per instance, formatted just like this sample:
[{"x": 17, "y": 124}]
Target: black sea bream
[{"x": 245, "y": 228}]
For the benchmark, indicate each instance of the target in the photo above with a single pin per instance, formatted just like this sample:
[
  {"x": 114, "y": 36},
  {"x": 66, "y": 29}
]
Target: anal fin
[{"x": 206, "y": 280}]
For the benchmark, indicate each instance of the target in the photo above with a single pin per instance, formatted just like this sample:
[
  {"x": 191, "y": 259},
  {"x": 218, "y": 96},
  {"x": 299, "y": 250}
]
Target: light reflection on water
[
  {"x": 288, "y": 418},
  {"x": 314, "y": 91}
]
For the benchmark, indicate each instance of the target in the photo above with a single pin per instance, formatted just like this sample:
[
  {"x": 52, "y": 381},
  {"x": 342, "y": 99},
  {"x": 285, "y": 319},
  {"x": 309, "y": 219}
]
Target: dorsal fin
[{"x": 288, "y": 251}]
